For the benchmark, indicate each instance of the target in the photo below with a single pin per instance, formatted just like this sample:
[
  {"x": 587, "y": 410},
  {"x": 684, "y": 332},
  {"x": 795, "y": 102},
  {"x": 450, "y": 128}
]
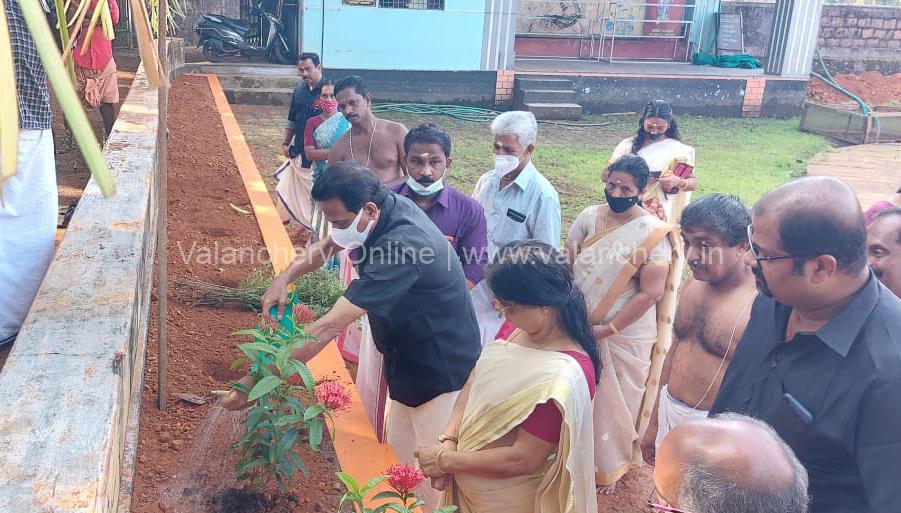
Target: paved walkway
[{"x": 873, "y": 170}]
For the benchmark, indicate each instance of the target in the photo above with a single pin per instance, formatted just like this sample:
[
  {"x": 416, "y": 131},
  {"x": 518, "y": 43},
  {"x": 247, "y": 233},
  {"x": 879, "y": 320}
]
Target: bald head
[
  {"x": 817, "y": 215},
  {"x": 727, "y": 464}
]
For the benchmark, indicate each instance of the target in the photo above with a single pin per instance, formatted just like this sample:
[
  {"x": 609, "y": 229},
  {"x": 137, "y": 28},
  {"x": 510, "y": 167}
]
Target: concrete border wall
[{"x": 71, "y": 386}]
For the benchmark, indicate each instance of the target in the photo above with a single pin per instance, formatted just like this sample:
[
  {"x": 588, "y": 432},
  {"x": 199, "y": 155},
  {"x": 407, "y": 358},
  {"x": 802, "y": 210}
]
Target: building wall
[
  {"x": 853, "y": 38},
  {"x": 381, "y": 38}
]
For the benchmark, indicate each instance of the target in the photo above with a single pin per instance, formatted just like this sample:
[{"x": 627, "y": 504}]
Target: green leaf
[
  {"x": 305, "y": 375},
  {"x": 387, "y": 495},
  {"x": 240, "y": 386},
  {"x": 242, "y": 468},
  {"x": 294, "y": 403},
  {"x": 238, "y": 362},
  {"x": 297, "y": 461},
  {"x": 446, "y": 509},
  {"x": 288, "y": 439},
  {"x": 281, "y": 359},
  {"x": 417, "y": 504},
  {"x": 372, "y": 484},
  {"x": 263, "y": 387},
  {"x": 315, "y": 434},
  {"x": 349, "y": 482},
  {"x": 287, "y": 420},
  {"x": 313, "y": 411},
  {"x": 398, "y": 508},
  {"x": 263, "y": 348},
  {"x": 255, "y": 332}
]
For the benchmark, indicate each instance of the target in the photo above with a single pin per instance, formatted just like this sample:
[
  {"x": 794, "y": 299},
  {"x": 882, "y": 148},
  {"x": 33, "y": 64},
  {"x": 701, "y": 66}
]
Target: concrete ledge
[
  {"x": 71, "y": 386},
  {"x": 265, "y": 83},
  {"x": 687, "y": 95},
  {"x": 67, "y": 384}
]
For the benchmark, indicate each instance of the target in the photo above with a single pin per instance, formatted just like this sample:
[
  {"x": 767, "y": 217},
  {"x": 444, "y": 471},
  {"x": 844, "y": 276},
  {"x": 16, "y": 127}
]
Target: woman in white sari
[
  {"x": 519, "y": 437},
  {"x": 657, "y": 141},
  {"x": 625, "y": 264}
]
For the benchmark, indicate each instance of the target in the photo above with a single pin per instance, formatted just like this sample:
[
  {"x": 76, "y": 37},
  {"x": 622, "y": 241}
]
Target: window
[{"x": 434, "y": 5}]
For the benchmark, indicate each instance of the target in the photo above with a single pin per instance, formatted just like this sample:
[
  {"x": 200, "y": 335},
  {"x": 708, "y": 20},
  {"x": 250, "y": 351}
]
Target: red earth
[
  {"x": 184, "y": 463},
  {"x": 872, "y": 87}
]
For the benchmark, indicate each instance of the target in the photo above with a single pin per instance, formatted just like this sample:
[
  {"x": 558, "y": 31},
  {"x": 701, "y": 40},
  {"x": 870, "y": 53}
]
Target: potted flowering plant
[
  {"x": 401, "y": 499},
  {"x": 286, "y": 400}
]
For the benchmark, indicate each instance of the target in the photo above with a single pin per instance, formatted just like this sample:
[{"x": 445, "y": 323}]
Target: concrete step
[
  {"x": 542, "y": 83},
  {"x": 267, "y": 82},
  {"x": 555, "y": 111},
  {"x": 254, "y": 96},
  {"x": 523, "y": 96}
]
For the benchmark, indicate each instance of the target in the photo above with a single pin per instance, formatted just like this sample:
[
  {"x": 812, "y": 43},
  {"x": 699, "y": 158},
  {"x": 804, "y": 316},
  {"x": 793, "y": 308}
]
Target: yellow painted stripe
[{"x": 359, "y": 452}]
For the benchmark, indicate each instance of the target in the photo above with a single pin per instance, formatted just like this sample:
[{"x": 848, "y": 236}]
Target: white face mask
[
  {"x": 422, "y": 190},
  {"x": 350, "y": 238},
  {"x": 505, "y": 164}
]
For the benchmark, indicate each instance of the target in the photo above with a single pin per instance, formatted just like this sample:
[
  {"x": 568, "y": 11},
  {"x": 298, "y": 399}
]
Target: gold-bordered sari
[
  {"x": 509, "y": 381},
  {"x": 605, "y": 270}
]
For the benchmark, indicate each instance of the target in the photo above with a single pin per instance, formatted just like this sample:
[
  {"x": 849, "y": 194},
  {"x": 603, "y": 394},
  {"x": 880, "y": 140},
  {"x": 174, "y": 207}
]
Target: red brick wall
[
  {"x": 504, "y": 92},
  {"x": 860, "y": 27}
]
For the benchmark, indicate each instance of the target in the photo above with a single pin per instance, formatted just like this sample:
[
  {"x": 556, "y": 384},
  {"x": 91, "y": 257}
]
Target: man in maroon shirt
[
  {"x": 95, "y": 69},
  {"x": 459, "y": 217}
]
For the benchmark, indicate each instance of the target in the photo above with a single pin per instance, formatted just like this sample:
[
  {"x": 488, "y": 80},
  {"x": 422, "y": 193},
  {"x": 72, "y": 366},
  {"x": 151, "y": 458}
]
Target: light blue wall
[{"x": 365, "y": 37}]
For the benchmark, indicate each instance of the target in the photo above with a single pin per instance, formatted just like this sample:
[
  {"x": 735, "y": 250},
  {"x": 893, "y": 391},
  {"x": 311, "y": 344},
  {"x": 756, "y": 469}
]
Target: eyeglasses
[
  {"x": 757, "y": 256},
  {"x": 653, "y": 505}
]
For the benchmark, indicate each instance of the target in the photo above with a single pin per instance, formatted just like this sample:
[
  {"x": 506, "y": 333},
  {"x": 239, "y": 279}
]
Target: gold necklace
[{"x": 371, "y": 137}]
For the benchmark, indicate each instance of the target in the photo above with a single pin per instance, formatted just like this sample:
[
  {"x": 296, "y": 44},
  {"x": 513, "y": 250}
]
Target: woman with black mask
[
  {"x": 670, "y": 161},
  {"x": 624, "y": 263}
]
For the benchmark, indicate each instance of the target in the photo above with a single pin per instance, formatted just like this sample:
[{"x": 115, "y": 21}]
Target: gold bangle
[
  {"x": 612, "y": 327},
  {"x": 438, "y": 460}
]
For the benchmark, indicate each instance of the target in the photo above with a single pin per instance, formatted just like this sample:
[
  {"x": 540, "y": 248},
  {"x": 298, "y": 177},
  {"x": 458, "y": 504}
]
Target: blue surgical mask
[{"x": 423, "y": 190}]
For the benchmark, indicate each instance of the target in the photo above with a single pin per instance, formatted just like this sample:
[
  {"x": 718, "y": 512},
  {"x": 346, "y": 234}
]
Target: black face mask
[{"x": 620, "y": 205}]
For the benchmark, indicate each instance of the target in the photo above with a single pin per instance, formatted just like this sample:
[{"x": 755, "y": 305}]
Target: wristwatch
[{"x": 444, "y": 438}]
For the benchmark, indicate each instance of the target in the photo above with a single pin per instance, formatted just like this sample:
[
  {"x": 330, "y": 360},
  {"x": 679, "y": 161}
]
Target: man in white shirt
[{"x": 519, "y": 202}]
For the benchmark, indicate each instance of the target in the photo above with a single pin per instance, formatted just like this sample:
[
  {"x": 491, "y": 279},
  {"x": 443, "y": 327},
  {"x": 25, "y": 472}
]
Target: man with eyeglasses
[
  {"x": 820, "y": 359},
  {"x": 727, "y": 464}
]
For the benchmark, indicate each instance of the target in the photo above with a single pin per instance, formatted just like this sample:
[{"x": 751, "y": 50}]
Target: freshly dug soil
[
  {"x": 872, "y": 87},
  {"x": 184, "y": 463}
]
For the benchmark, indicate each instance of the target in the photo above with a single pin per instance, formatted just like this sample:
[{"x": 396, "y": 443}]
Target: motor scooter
[{"x": 221, "y": 36}]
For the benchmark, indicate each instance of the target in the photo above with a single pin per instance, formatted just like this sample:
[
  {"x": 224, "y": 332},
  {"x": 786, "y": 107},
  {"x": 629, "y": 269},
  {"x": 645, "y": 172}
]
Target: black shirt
[
  {"x": 412, "y": 286},
  {"x": 845, "y": 425},
  {"x": 300, "y": 111}
]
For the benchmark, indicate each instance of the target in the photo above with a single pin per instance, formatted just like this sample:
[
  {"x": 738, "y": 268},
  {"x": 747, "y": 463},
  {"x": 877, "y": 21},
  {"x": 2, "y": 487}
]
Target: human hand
[
  {"x": 670, "y": 182},
  {"x": 276, "y": 294},
  {"x": 286, "y": 150},
  {"x": 236, "y": 399},
  {"x": 441, "y": 483},
  {"x": 428, "y": 460},
  {"x": 601, "y": 331}
]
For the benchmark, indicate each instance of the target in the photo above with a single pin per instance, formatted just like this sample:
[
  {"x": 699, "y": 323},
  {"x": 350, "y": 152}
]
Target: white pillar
[{"x": 794, "y": 37}]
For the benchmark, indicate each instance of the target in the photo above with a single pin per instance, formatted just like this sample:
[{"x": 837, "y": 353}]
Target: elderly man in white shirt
[{"x": 519, "y": 202}]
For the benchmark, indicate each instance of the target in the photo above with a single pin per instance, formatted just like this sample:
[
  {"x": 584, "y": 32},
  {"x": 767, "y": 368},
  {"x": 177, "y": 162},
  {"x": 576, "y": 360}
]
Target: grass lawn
[{"x": 745, "y": 157}]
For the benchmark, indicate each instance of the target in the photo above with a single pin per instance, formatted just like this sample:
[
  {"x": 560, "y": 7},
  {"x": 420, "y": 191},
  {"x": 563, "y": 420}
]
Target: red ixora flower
[
  {"x": 303, "y": 313},
  {"x": 268, "y": 324},
  {"x": 404, "y": 478},
  {"x": 332, "y": 395}
]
